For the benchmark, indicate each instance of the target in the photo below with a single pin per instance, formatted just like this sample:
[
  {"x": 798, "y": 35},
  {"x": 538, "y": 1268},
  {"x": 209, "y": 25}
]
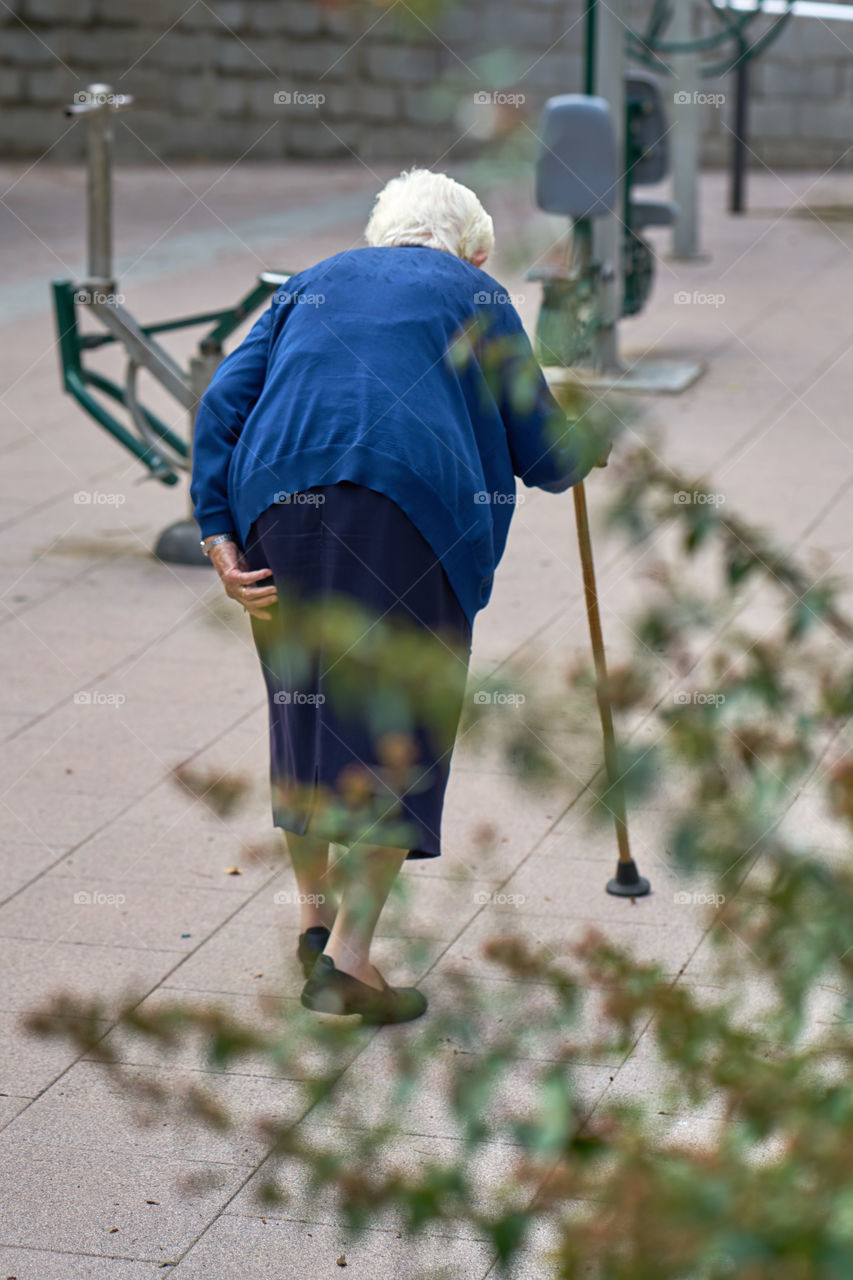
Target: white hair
[{"x": 422, "y": 207}]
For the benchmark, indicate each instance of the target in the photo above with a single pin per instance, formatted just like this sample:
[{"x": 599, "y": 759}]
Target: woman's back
[{"x": 360, "y": 385}]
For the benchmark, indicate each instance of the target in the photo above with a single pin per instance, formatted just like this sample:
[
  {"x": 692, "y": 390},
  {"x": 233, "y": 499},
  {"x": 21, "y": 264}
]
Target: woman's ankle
[
  {"x": 348, "y": 960},
  {"x": 311, "y": 917}
]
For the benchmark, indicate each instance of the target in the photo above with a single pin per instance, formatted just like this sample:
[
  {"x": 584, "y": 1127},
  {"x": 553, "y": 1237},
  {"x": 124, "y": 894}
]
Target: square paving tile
[
  {"x": 191, "y": 855},
  {"x": 29, "y": 1063},
  {"x": 490, "y": 1170},
  {"x": 89, "y": 1110},
  {"x": 524, "y": 1017},
  {"x": 58, "y": 1199},
  {"x": 34, "y": 971},
  {"x": 115, "y": 912},
  {"x": 670, "y": 946},
  {"x": 39, "y": 1264},
  {"x": 276, "y": 1250},
  {"x": 369, "y": 1091},
  {"x": 296, "y": 1051}
]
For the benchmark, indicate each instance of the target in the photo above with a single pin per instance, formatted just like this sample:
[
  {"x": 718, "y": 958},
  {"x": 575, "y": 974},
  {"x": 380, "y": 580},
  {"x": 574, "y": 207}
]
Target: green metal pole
[
  {"x": 739, "y": 132},
  {"x": 589, "y": 46}
]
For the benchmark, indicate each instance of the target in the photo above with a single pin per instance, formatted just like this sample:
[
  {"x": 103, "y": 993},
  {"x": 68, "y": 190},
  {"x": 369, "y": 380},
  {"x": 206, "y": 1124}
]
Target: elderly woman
[{"x": 362, "y": 444}]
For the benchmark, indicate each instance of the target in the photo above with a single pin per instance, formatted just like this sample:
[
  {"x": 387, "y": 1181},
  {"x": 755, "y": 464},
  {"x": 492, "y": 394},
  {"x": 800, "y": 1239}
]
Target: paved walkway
[{"x": 86, "y": 804}]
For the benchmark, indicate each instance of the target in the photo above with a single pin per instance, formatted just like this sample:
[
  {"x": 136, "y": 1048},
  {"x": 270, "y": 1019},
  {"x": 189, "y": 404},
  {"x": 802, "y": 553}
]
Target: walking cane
[{"x": 627, "y": 883}]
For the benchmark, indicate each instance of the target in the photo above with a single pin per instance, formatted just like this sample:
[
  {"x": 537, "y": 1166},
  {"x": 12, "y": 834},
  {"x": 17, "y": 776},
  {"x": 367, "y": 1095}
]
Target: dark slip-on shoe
[
  {"x": 330, "y": 990},
  {"x": 311, "y": 944}
]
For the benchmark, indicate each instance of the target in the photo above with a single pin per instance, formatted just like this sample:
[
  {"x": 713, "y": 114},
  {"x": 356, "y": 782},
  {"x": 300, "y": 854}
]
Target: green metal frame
[
  {"x": 649, "y": 47},
  {"x": 80, "y": 381}
]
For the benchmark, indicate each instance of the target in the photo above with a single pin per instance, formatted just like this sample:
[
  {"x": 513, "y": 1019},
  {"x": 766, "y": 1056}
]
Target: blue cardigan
[{"x": 403, "y": 369}]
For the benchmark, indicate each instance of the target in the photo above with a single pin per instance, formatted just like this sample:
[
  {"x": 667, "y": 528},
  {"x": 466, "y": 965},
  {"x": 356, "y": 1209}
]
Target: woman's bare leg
[
  {"x": 366, "y": 875},
  {"x": 317, "y": 900}
]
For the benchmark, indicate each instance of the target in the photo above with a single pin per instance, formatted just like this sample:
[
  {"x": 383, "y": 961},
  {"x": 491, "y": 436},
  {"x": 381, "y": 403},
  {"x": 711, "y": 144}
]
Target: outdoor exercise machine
[
  {"x": 577, "y": 176},
  {"x": 144, "y": 434},
  {"x": 597, "y": 148}
]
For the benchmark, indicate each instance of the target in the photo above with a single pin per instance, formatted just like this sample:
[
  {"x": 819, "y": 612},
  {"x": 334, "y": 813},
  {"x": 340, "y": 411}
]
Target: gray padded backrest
[
  {"x": 650, "y": 128},
  {"x": 576, "y": 173}
]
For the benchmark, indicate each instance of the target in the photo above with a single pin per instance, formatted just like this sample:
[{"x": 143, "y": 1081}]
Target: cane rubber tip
[{"x": 628, "y": 883}]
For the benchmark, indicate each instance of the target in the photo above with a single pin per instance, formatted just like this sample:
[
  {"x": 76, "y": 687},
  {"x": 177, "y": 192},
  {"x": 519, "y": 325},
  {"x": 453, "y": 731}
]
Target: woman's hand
[{"x": 240, "y": 581}]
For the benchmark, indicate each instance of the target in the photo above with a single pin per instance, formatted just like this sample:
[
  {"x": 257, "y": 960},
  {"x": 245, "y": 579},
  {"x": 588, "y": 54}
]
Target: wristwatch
[{"x": 207, "y": 545}]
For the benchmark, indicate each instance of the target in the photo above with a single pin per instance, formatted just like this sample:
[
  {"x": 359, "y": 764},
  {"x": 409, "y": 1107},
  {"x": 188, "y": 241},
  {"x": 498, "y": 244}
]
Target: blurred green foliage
[{"x": 723, "y": 725}]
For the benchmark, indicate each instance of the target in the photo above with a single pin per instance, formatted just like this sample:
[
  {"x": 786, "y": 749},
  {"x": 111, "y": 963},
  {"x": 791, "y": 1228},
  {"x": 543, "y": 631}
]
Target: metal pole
[
  {"x": 100, "y": 232},
  {"x": 98, "y": 103},
  {"x": 739, "y": 133},
  {"x": 589, "y": 48},
  {"x": 608, "y": 232},
  {"x": 686, "y": 136},
  {"x": 627, "y": 883}
]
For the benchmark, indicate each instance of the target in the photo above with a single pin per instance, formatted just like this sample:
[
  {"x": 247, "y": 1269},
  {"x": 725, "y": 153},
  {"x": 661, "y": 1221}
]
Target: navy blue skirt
[{"x": 342, "y": 743}]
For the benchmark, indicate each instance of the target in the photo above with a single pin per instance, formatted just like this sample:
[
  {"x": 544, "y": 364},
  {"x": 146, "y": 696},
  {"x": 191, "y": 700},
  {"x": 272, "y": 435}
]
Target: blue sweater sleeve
[
  {"x": 222, "y": 411},
  {"x": 545, "y": 446}
]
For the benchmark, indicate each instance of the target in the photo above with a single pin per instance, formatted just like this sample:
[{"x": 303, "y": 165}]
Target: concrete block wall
[
  {"x": 225, "y": 79},
  {"x": 801, "y": 113}
]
